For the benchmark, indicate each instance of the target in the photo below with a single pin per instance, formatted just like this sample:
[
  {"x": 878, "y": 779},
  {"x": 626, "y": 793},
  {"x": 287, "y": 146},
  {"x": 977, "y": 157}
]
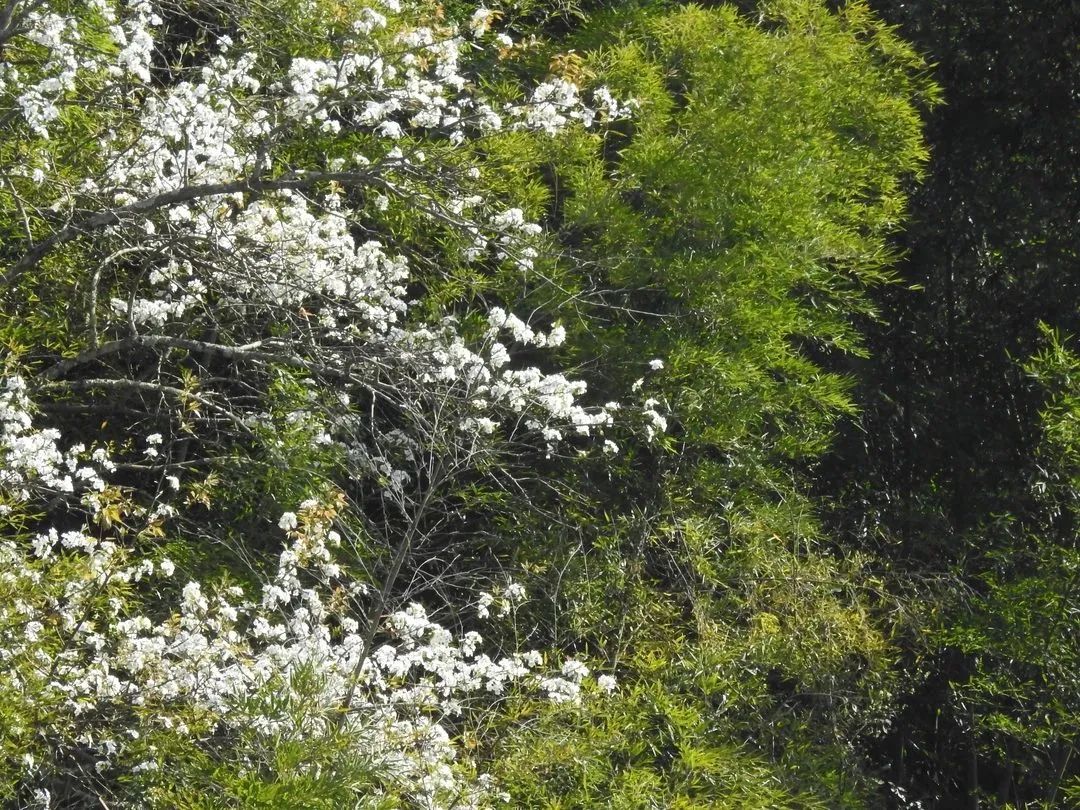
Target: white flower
[
  {"x": 575, "y": 670},
  {"x": 499, "y": 355},
  {"x": 152, "y": 443},
  {"x": 193, "y": 599},
  {"x": 390, "y": 129},
  {"x": 607, "y": 684},
  {"x": 515, "y": 592},
  {"x": 656, "y": 364},
  {"x": 483, "y": 605},
  {"x": 288, "y": 521}
]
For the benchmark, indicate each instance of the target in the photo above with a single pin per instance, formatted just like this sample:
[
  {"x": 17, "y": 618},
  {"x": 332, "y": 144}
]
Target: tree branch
[
  {"x": 151, "y": 388},
  {"x": 114, "y": 216}
]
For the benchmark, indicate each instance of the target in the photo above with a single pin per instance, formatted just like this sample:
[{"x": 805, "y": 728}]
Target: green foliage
[
  {"x": 1021, "y": 630},
  {"x": 732, "y": 229},
  {"x": 739, "y": 220},
  {"x": 292, "y": 769},
  {"x": 648, "y": 748}
]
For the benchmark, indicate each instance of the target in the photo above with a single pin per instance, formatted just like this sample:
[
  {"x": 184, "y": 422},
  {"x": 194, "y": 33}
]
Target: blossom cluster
[
  {"x": 200, "y": 145},
  {"x": 67, "y": 626},
  {"x": 59, "y": 41},
  {"x": 32, "y": 458}
]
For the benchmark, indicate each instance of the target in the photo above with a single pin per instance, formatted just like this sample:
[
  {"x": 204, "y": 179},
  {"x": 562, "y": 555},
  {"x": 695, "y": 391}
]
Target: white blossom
[{"x": 607, "y": 684}]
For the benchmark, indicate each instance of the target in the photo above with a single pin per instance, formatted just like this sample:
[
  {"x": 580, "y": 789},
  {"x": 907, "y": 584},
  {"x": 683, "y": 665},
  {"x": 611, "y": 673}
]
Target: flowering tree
[{"x": 226, "y": 232}]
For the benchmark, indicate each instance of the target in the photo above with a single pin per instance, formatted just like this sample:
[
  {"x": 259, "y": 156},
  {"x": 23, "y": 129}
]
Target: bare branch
[{"x": 151, "y": 388}]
